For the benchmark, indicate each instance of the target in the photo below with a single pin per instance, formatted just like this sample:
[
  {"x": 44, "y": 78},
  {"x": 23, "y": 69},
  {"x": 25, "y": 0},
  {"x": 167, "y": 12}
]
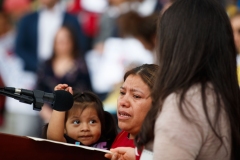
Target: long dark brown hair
[{"x": 196, "y": 46}]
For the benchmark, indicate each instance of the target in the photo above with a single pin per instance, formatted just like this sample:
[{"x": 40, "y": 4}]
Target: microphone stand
[{"x": 37, "y": 98}]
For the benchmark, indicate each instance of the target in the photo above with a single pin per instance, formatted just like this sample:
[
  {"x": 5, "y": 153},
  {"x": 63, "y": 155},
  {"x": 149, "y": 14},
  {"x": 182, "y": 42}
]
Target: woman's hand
[
  {"x": 122, "y": 153},
  {"x": 63, "y": 87}
]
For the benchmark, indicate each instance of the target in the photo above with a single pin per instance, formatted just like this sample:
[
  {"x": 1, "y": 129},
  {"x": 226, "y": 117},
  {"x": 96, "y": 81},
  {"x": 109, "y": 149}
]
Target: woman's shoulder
[
  {"x": 191, "y": 114},
  {"x": 188, "y": 127},
  {"x": 193, "y": 96},
  {"x": 192, "y": 102}
]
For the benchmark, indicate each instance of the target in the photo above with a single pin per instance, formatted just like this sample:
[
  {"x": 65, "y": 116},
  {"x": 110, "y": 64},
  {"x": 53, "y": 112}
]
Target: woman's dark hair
[
  {"x": 75, "y": 45},
  {"x": 147, "y": 72},
  {"x": 83, "y": 100},
  {"x": 196, "y": 46}
]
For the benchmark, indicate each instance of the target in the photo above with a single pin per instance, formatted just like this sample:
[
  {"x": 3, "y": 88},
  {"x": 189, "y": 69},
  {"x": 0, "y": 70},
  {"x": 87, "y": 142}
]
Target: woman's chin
[{"x": 124, "y": 126}]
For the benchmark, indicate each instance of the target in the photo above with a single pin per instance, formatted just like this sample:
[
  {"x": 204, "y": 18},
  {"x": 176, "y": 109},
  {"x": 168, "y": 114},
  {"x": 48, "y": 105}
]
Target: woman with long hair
[{"x": 196, "y": 95}]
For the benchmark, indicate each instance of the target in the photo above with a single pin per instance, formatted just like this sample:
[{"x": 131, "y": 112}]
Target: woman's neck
[{"x": 61, "y": 65}]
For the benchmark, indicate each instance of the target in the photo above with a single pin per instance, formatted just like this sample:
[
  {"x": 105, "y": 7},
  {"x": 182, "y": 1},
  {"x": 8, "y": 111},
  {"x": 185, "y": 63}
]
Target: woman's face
[
  {"x": 133, "y": 104},
  {"x": 63, "y": 42}
]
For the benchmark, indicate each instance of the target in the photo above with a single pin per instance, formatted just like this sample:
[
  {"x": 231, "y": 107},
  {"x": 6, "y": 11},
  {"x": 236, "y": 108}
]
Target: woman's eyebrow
[
  {"x": 122, "y": 87},
  {"x": 132, "y": 89},
  {"x": 136, "y": 90}
]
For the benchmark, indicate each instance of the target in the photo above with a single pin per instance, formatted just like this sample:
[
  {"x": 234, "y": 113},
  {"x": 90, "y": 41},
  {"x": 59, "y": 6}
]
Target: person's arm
[
  {"x": 56, "y": 124},
  {"x": 55, "y": 129}
]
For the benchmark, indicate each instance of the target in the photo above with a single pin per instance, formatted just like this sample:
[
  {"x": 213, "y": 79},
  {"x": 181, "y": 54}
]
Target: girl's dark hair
[
  {"x": 196, "y": 46},
  {"x": 85, "y": 99}
]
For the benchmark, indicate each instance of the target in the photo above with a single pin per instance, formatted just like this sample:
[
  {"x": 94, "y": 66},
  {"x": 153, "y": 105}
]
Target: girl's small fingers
[
  {"x": 61, "y": 87},
  {"x": 56, "y": 88},
  {"x": 70, "y": 90},
  {"x": 64, "y": 85}
]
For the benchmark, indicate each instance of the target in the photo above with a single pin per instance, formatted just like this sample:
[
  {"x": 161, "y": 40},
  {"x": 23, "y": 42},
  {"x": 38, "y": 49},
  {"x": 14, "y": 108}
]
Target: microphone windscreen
[{"x": 63, "y": 100}]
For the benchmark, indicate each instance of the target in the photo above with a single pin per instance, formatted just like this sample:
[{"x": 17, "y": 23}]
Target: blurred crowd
[{"x": 87, "y": 44}]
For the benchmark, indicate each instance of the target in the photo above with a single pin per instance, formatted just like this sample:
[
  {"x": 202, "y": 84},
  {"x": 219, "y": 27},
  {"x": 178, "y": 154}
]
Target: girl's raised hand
[
  {"x": 63, "y": 87},
  {"x": 60, "y": 87}
]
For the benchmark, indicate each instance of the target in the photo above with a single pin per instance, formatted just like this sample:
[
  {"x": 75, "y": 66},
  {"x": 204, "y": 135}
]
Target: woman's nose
[{"x": 123, "y": 101}]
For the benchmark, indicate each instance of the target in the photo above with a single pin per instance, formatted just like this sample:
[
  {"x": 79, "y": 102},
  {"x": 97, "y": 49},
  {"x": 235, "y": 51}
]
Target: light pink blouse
[{"x": 179, "y": 139}]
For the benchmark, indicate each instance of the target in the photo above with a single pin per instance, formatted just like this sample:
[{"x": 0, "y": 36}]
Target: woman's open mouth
[{"x": 123, "y": 115}]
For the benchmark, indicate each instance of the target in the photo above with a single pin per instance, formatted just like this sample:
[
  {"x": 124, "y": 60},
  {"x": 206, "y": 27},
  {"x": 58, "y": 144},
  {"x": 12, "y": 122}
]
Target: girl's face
[
  {"x": 84, "y": 126},
  {"x": 133, "y": 104}
]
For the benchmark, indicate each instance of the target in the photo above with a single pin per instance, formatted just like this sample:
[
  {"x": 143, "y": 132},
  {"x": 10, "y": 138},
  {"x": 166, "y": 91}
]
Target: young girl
[{"x": 86, "y": 123}]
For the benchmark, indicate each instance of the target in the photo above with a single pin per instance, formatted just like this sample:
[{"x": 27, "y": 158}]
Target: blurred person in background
[
  {"x": 36, "y": 32},
  {"x": 19, "y": 118},
  {"x": 88, "y": 13},
  {"x": 2, "y": 104},
  {"x": 5, "y": 42},
  {"x": 17, "y": 8},
  {"x": 66, "y": 66},
  {"x": 108, "y": 26}
]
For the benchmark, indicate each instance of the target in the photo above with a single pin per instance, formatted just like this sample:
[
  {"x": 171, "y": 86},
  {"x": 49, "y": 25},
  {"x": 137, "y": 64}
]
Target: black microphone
[{"x": 60, "y": 100}]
